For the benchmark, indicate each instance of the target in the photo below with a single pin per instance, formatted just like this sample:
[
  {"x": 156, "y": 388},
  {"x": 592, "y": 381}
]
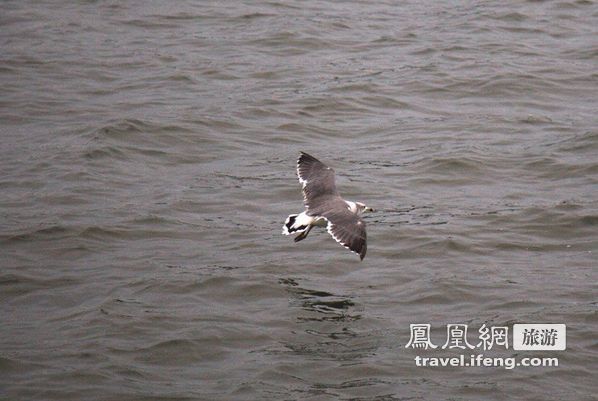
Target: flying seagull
[{"x": 325, "y": 208}]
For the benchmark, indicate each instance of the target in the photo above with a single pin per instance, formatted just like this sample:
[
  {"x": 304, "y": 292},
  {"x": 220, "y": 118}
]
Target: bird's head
[{"x": 362, "y": 208}]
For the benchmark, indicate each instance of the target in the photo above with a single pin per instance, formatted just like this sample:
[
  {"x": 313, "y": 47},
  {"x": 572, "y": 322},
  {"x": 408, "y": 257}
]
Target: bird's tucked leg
[{"x": 303, "y": 234}]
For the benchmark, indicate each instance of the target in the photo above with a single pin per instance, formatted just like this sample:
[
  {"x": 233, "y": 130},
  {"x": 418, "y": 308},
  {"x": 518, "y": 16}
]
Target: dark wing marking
[{"x": 316, "y": 178}]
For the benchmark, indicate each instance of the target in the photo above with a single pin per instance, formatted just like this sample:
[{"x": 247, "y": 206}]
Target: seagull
[{"x": 324, "y": 207}]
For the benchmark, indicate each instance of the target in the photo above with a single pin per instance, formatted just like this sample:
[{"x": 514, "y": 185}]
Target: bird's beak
[{"x": 369, "y": 209}]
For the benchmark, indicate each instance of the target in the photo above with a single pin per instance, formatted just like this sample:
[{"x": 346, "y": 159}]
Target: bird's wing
[
  {"x": 346, "y": 227},
  {"x": 316, "y": 178}
]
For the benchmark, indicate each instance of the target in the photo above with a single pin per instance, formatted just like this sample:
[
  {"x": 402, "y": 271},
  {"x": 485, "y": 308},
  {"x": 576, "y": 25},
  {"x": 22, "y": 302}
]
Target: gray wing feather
[
  {"x": 317, "y": 180},
  {"x": 346, "y": 227}
]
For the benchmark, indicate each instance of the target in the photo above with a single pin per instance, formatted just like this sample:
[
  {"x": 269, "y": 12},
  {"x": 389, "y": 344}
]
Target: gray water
[{"x": 148, "y": 161}]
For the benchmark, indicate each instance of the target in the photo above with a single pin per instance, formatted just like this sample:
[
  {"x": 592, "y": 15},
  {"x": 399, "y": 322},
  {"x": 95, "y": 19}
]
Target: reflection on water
[
  {"x": 328, "y": 322},
  {"x": 327, "y": 306}
]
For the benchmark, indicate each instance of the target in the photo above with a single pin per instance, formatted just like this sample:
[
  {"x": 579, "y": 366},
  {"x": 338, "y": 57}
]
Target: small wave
[
  {"x": 509, "y": 16},
  {"x": 11, "y": 365},
  {"x": 290, "y": 43},
  {"x": 125, "y": 127},
  {"x": 587, "y": 141},
  {"x": 131, "y": 139},
  {"x": 104, "y": 152},
  {"x": 255, "y": 15},
  {"x": 151, "y": 23},
  {"x": 462, "y": 166},
  {"x": 51, "y": 232},
  {"x": 180, "y": 77},
  {"x": 177, "y": 351},
  {"x": 16, "y": 284}
]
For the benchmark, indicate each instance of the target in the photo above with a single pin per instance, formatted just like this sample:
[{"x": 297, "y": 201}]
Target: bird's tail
[{"x": 291, "y": 227}]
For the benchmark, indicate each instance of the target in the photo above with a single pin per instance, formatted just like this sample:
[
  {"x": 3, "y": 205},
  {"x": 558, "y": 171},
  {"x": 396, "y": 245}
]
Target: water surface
[{"x": 147, "y": 165}]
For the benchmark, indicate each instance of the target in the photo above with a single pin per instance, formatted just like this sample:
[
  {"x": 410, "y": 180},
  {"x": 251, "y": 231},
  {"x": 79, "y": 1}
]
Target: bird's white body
[
  {"x": 297, "y": 223},
  {"x": 300, "y": 222}
]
